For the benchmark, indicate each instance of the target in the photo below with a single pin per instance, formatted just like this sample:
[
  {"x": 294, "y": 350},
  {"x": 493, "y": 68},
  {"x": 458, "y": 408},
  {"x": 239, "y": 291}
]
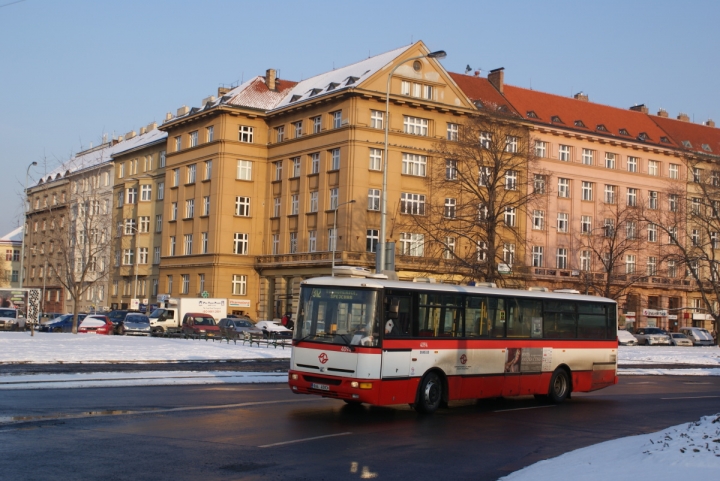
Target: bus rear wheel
[
  {"x": 559, "y": 386},
  {"x": 430, "y": 394}
]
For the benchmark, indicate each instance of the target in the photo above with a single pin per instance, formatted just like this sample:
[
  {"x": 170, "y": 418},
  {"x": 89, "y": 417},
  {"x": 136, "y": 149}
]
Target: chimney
[
  {"x": 183, "y": 110},
  {"x": 208, "y": 100},
  {"x": 477, "y": 73},
  {"x": 151, "y": 126},
  {"x": 662, "y": 113},
  {"x": 270, "y": 78},
  {"x": 683, "y": 117},
  {"x": 168, "y": 116},
  {"x": 130, "y": 135},
  {"x": 640, "y": 108},
  {"x": 710, "y": 123},
  {"x": 496, "y": 78},
  {"x": 581, "y": 96},
  {"x": 120, "y": 138},
  {"x": 105, "y": 138},
  {"x": 223, "y": 90},
  {"x": 142, "y": 130}
]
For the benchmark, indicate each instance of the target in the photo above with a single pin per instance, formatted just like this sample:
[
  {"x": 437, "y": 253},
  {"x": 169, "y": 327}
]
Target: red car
[
  {"x": 96, "y": 324},
  {"x": 199, "y": 324}
]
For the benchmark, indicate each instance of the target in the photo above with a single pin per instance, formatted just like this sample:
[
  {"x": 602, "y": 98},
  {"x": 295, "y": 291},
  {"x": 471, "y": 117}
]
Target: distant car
[
  {"x": 11, "y": 319},
  {"x": 652, "y": 336},
  {"x": 96, "y": 324},
  {"x": 117, "y": 317},
  {"x": 274, "y": 329},
  {"x": 136, "y": 324},
  {"x": 200, "y": 324},
  {"x": 233, "y": 327},
  {"x": 698, "y": 336},
  {"x": 679, "y": 339},
  {"x": 61, "y": 323},
  {"x": 625, "y": 338}
]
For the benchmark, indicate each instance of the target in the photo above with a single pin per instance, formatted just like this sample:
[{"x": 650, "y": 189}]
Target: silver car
[
  {"x": 679, "y": 339},
  {"x": 652, "y": 336},
  {"x": 137, "y": 324}
]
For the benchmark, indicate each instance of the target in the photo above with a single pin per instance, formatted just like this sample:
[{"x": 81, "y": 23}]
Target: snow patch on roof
[{"x": 13, "y": 236}]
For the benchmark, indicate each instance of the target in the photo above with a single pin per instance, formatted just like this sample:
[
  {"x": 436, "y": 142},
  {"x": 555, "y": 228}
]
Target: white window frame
[
  {"x": 376, "y": 157},
  {"x": 240, "y": 243},
  {"x": 415, "y": 125},
  {"x": 242, "y": 206},
  {"x": 414, "y": 164},
  {"x": 246, "y": 134}
]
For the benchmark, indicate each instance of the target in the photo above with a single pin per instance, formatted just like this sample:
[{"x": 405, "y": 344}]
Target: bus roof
[{"x": 387, "y": 284}]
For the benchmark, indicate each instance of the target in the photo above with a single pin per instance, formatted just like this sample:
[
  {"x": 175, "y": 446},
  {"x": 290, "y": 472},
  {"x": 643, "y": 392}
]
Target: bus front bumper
[{"x": 364, "y": 391}]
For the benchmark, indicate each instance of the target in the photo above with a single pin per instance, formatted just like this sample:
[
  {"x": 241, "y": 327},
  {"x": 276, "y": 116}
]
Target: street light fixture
[
  {"x": 335, "y": 239},
  {"x": 380, "y": 255},
  {"x": 22, "y": 248}
]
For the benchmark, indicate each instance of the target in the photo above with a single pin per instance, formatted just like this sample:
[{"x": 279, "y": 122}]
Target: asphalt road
[{"x": 265, "y": 432}]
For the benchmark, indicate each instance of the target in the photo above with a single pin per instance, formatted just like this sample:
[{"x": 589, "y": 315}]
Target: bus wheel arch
[
  {"x": 560, "y": 384},
  {"x": 432, "y": 392}
]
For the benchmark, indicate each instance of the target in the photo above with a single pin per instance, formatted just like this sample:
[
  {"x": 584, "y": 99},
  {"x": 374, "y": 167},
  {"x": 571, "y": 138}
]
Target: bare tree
[{"x": 479, "y": 193}]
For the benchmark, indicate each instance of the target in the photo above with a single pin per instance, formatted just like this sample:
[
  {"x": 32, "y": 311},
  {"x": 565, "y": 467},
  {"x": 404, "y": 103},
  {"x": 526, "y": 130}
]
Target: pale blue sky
[{"x": 71, "y": 70}]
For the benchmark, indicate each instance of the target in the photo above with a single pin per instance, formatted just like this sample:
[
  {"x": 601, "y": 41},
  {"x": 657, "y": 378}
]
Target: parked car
[
  {"x": 11, "y": 319},
  {"x": 117, "y": 317},
  {"x": 652, "y": 336},
  {"x": 679, "y": 339},
  {"x": 626, "y": 339},
  {"x": 199, "y": 324},
  {"x": 96, "y": 324},
  {"x": 136, "y": 324},
  {"x": 698, "y": 336},
  {"x": 62, "y": 323},
  {"x": 233, "y": 327},
  {"x": 274, "y": 329}
]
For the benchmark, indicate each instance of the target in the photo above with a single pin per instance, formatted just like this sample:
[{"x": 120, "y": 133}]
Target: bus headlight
[
  {"x": 354, "y": 384},
  {"x": 294, "y": 377}
]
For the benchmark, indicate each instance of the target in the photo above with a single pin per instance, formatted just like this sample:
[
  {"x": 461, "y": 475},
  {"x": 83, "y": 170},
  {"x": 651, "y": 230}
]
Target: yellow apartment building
[{"x": 11, "y": 243}]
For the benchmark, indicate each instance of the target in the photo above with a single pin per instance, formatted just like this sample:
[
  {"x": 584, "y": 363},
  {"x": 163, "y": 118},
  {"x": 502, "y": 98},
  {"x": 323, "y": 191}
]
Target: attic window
[
  {"x": 643, "y": 136},
  {"x": 295, "y": 98},
  {"x": 687, "y": 144},
  {"x": 479, "y": 104},
  {"x": 332, "y": 86},
  {"x": 531, "y": 114},
  {"x": 706, "y": 148},
  {"x": 664, "y": 140},
  {"x": 556, "y": 120},
  {"x": 601, "y": 128},
  {"x": 624, "y": 132},
  {"x": 351, "y": 80},
  {"x": 579, "y": 123},
  {"x": 502, "y": 108}
]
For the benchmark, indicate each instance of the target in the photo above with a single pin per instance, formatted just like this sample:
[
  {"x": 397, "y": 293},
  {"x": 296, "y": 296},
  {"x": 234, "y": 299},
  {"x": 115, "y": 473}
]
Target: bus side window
[
  {"x": 397, "y": 310},
  {"x": 476, "y": 317},
  {"x": 559, "y": 320},
  {"x": 497, "y": 315}
]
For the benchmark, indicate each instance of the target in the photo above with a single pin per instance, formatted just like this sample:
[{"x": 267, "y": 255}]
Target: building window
[
  {"x": 297, "y": 126},
  {"x": 295, "y": 166},
  {"x": 482, "y": 212},
  {"x": 538, "y": 220},
  {"x": 587, "y": 190},
  {"x": 332, "y": 236},
  {"x": 336, "y": 119},
  {"x": 563, "y": 187},
  {"x": 203, "y": 242},
  {"x": 376, "y": 159},
  {"x": 674, "y": 170},
  {"x": 162, "y": 159},
  {"x": 539, "y": 183},
  {"x": 511, "y": 144},
  {"x": 629, "y": 264},
  {"x": 413, "y": 204},
  {"x": 511, "y": 180},
  {"x": 278, "y": 169},
  {"x": 239, "y": 285},
  {"x": 210, "y": 134},
  {"x": 537, "y": 256},
  {"x": 185, "y": 284},
  {"x": 653, "y": 167},
  {"x": 653, "y": 199},
  {"x": 201, "y": 283},
  {"x": 485, "y": 140},
  {"x": 246, "y": 134},
  {"x": 673, "y": 202},
  {"x": 131, "y": 195},
  {"x": 510, "y": 216},
  {"x": 561, "y": 258},
  {"x": 193, "y": 139},
  {"x": 315, "y": 163},
  {"x": 451, "y": 171},
  {"x": 312, "y": 241},
  {"x": 449, "y": 251},
  {"x": 190, "y": 208},
  {"x": 452, "y": 131},
  {"x": 313, "y": 201},
  {"x": 562, "y": 221},
  {"x": 146, "y": 192},
  {"x": 244, "y": 170},
  {"x": 156, "y": 255},
  {"x": 376, "y": 119},
  {"x": 129, "y": 229},
  {"x": 450, "y": 208},
  {"x": 415, "y": 125},
  {"x": 564, "y": 153},
  {"x": 631, "y": 230},
  {"x": 588, "y": 157},
  {"x": 240, "y": 244},
  {"x": 280, "y": 133},
  {"x": 276, "y": 207},
  {"x": 412, "y": 244},
  {"x": 414, "y": 164},
  {"x": 586, "y": 224},
  {"x": 334, "y": 198},
  {"x": 169, "y": 284},
  {"x": 144, "y": 224},
  {"x": 206, "y": 205},
  {"x": 632, "y": 164},
  {"x": 208, "y": 169},
  {"x": 335, "y": 159},
  {"x": 631, "y": 197},
  {"x": 171, "y": 246},
  {"x": 242, "y": 206},
  {"x": 374, "y": 199},
  {"x": 509, "y": 254},
  {"x": 540, "y": 149},
  {"x": 609, "y": 160},
  {"x": 143, "y": 255},
  {"x": 652, "y": 232},
  {"x": 372, "y": 238},
  {"x": 610, "y": 194},
  {"x": 294, "y": 204},
  {"x": 697, "y": 175},
  {"x": 484, "y": 176},
  {"x": 275, "y": 244},
  {"x": 176, "y": 177},
  {"x": 178, "y": 143},
  {"x": 317, "y": 124},
  {"x": 695, "y": 237},
  {"x": 293, "y": 242},
  {"x": 652, "y": 266},
  {"x": 585, "y": 260},
  {"x": 481, "y": 251}
]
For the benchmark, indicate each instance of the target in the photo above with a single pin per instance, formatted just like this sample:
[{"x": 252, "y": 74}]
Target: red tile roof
[
  {"x": 697, "y": 135},
  {"x": 479, "y": 88}
]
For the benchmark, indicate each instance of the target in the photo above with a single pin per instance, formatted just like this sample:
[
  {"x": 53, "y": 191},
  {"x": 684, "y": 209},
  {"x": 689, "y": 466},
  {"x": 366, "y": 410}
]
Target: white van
[{"x": 698, "y": 336}]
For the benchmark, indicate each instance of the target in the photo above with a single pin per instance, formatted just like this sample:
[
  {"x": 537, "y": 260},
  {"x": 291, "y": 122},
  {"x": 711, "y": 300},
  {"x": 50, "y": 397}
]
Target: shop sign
[{"x": 654, "y": 312}]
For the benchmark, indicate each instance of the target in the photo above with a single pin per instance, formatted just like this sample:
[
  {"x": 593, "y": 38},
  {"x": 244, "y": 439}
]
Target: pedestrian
[{"x": 285, "y": 319}]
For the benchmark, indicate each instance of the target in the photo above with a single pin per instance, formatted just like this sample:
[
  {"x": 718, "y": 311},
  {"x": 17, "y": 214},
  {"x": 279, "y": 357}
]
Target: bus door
[{"x": 397, "y": 315}]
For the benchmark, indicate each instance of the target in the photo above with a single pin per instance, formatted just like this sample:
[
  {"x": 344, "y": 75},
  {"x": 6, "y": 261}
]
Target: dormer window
[
  {"x": 664, "y": 140},
  {"x": 332, "y": 86},
  {"x": 601, "y": 128},
  {"x": 315, "y": 92},
  {"x": 624, "y": 132},
  {"x": 556, "y": 120},
  {"x": 531, "y": 114},
  {"x": 579, "y": 123},
  {"x": 706, "y": 148},
  {"x": 479, "y": 104},
  {"x": 643, "y": 136},
  {"x": 295, "y": 98},
  {"x": 351, "y": 80},
  {"x": 687, "y": 144}
]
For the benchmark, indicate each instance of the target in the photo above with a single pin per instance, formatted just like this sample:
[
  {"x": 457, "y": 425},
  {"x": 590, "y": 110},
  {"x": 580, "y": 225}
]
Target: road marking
[
  {"x": 695, "y": 383},
  {"x": 522, "y": 409},
  {"x": 643, "y": 382},
  {"x": 688, "y": 397},
  {"x": 6, "y": 420},
  {"x": 303, "y": 440}
]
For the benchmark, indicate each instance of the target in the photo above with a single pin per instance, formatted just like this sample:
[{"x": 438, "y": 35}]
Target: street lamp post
[
  {"x": 335, "y": 239},
  {"x": 380, "y": 256},
  {"x": 22, "y": 246}
]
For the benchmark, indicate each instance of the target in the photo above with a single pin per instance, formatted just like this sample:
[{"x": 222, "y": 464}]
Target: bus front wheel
[
  {"x": 559, "y": 386},
  {"x": 430, "y": 395}
]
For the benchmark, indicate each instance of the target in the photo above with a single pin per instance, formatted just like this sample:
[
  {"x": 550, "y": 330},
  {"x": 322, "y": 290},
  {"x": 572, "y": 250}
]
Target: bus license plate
[{"x": 321, "y": 387}]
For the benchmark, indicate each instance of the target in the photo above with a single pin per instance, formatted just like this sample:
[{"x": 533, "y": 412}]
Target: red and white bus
[{"x": 381, "y": 342}]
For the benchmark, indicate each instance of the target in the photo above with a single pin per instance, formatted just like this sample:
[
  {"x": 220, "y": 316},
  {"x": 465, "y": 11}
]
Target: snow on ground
[
  {"x": 687, "y": 451},
  {"x": 707, "y": 355},
  {"x": 48, "y": 348},
  {"x": 669, "y": 372}
]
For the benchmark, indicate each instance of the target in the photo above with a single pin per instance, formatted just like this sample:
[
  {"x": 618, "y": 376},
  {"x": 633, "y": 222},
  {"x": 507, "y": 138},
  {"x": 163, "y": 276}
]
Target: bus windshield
[{"x": 338, "y": 315}]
